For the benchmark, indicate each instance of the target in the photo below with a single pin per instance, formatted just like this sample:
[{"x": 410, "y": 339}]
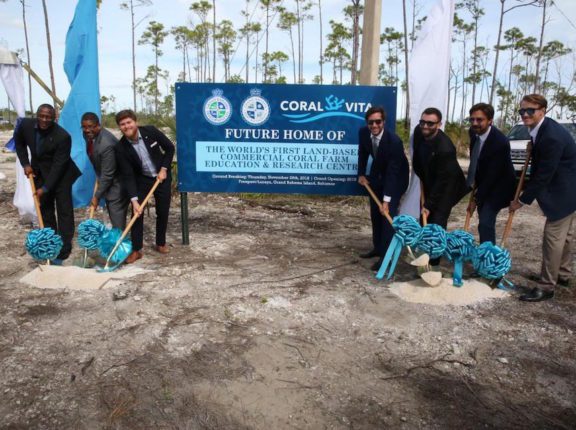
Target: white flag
[
  {"x": 12, "y": 77},
  {"x": 429, "y": 68}
]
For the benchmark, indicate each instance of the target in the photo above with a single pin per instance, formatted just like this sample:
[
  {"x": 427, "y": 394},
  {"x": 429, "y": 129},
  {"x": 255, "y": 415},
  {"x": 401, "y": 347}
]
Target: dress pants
[
  {"x": 117, "y": 210},
  {"x": 487, "y": 223},
  {"x": 162, "y": 197},
  {"x": 58, "y": 213},
  {"x": 382, "y": 231},
  {"x": 557, "y": 252}
]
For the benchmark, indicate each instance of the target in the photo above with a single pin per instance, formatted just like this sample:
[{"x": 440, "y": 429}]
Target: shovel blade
[
  {"x": 432, "y": 278},
  {"x": 423, "y": 260}
]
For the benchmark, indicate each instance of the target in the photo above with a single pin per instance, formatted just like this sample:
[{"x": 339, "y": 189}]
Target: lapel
[
  {"x": 541, "y": 130},
  {"x": 488, "y": 146}
]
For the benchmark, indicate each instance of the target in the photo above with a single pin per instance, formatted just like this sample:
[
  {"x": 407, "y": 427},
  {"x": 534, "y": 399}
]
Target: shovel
[
  {"x": 90, "y": 216},
  {"x": 468, "y": 213},
  {"x": 420, "y": 261},
  {"x": 126, "y": 230},
  {"x": 45, "y": 243},
  {"x": 508, "y": 227},
  {"x": 431, "y": 277}
]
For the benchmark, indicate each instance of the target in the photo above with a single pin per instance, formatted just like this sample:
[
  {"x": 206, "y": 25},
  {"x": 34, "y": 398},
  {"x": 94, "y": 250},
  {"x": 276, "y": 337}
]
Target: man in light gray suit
[{"x": 100, "y": 145}]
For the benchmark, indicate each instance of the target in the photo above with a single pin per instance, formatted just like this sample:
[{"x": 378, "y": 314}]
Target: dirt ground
[{"x": 269, "y": 320}]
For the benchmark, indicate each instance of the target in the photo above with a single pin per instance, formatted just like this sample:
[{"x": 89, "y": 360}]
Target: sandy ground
[{"x": 269, "y": 320}]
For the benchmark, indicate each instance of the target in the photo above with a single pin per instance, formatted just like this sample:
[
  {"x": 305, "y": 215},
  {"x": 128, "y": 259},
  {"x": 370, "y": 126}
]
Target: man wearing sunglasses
[
  {"x": 388, "y": 177},
  {"x": 552, "y": 183},
  {"x": 435, "y": 163},
  {"x": 491, "y": 172}
]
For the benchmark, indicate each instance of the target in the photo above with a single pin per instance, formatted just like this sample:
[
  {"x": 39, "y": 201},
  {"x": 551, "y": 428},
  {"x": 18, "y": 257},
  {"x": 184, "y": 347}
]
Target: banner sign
[{"x": 265, "y": 138}]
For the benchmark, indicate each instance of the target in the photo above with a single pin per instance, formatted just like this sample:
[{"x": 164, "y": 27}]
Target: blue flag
[{"x": 81, "y": 67}]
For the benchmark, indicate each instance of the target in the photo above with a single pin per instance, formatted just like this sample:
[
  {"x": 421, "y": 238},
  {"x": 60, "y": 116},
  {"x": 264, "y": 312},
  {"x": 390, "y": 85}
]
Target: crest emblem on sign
[
  {"x": 255, "y": 109},
  {"x": 217, "y": 109}
]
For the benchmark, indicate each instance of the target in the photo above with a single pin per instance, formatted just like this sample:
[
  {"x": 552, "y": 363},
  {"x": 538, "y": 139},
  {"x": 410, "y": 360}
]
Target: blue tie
[
  {"x": 375, "y": 142},
  {"x": 473, "y": 162}
]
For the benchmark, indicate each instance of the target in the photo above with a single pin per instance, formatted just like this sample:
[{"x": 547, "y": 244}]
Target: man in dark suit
[
  {"x": 491, "y": 172},
  {"x": 552, "y": 181},
  {"x": 53, "y": 170},
  {"x": 145, "y": 154},
  {"x": 435, "y": 163},
  {"x": 100, "y": 144},
  {"x": 388, "y": 177}
]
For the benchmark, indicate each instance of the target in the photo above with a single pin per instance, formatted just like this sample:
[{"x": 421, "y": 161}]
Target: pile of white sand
[
  {"x": 77, "y": 278},
  {"x": 445, "y": 293}
]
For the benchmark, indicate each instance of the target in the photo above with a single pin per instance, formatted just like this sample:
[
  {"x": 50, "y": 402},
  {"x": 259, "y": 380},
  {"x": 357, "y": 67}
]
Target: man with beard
[
  {"x": 435, "y": 163},
  {"x": 491, "y": 172},
  {"x": 53, "y": 170}
]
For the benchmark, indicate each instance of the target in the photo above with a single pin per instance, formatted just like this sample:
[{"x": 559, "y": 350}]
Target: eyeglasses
[
  {"x": 429, "y": 124},
  {"x": 528, "y": 111},
  {"x": 374, "y": 121},
  {"x": 473, "y": 120}
]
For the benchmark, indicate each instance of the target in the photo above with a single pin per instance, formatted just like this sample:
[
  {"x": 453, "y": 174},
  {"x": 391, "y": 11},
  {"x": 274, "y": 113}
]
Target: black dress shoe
[
  {"x": 370, "y": 254},
  {"x": 376, "y": 266},
  {"x": 537, "y": 295}
]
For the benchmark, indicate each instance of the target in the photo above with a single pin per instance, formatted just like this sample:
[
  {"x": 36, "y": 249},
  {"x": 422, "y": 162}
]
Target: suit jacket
[
  {"x": 495, "y": 178},
  {"x": 161, "y": 151},
  {"x": 390, "y": 167},
  {"x": 438, "y": 169},
  {"x": 553, "y": 174},
  {"x": 51, "y": 162},
  {"x": 104, "y": 161}
]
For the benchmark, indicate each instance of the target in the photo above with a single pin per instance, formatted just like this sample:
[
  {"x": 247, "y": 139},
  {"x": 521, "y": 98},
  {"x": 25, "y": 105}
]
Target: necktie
[
  {"x": 375, "y": 142},
  {"x": 473, "y": 162},
  {"x": 90, "y": 147}
]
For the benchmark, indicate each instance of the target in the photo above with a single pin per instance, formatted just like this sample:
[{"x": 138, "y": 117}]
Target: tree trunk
[
  {"x": 247, "y": 52},
  {"x": 321, "y": 49},
  {"x": 266, "y": 50},
  {"x": 49, "y": 45},
  {"x": 355, "y": 40},
  {"x": 27, "y": 55},
  {"x": 539, "y": 55},
  {"x": 293, "y": 54},
  {"x": 214, "y": 41},
  {"x": 475, "y": 60},
  {"x": 133, "y": 54},
  {"x": 497, "y": 56},
  {"x": 407, "y": 112}
]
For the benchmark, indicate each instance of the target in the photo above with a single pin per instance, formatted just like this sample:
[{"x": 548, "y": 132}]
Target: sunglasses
[
  {"x": 423, "y": 123},
  {"x": 374, "y": 121},
  {"x": 528, "y": 111},
  {"x": 473, "y": 120}
]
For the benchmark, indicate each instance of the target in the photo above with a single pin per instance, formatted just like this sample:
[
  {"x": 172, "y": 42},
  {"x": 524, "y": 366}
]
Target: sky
[{"x": 115, "y": 48}]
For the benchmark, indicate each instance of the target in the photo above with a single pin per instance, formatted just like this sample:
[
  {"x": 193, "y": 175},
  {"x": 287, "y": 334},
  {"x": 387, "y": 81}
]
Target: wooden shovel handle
[
  {"x": 378, "y": 202},
  {"x": 508, "y": 227},
  {"x": 133, "y": 219},
  {"x": 92, "y": 207},
  {"x": 36, "y": 201},
  {"x": 424, "y": 217},
  {"x": 468, "y": 213}
]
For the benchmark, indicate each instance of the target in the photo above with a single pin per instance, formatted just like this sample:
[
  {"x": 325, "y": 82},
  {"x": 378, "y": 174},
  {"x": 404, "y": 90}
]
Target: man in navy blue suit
[
  {"x": 552, "y": 182},
  {"x": 491, "y": 172},
  {"x": 388, "y": 177}
]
